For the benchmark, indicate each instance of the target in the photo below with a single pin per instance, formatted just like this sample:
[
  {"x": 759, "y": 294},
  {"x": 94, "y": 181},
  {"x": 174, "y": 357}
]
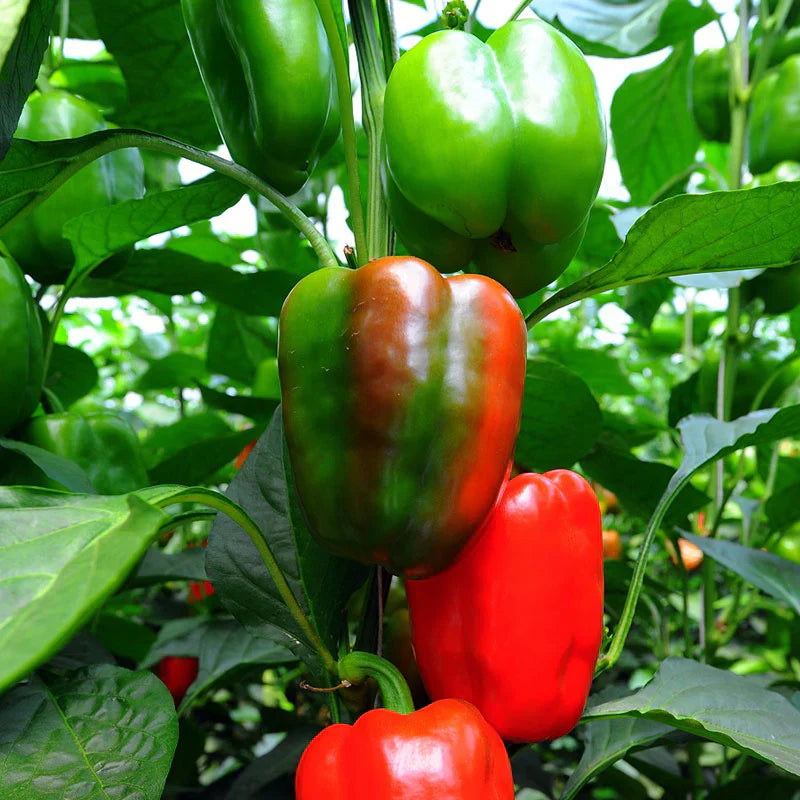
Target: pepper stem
[{"x": 357, "y": 666}]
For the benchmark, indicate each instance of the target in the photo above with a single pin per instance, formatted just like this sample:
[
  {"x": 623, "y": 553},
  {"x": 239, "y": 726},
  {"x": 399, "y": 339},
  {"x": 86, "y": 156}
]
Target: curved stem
[
  {"x": 520, "y": 8},
  {"x": 243, "y": 520},
  {"x": 698, "y": 166},
  {"x": 342, "y": 67},
  {"x": 389, "y": 46},
  {"x": 357, "y": 666},
  {"x": 103, "y": 142}
]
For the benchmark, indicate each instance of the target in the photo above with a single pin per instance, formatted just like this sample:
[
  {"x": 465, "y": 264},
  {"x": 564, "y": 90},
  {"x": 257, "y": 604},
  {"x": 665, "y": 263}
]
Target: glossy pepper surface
[
  {"x": 445, "y": 751},
  {"x": 775, "y": 117},
  {"x": 178, "y": 673},
  {"x": 268, "y": 72},
  {"x": 36, "y": 241},
  {"x": 103, "y": 444},
  {"x": 21, "y": 353},
  {"x": 514, "y": 626},
  {"x": 788, "y": 546},
  {"x": 402, "y": 395},
  {"x": 495, "y": 151}
]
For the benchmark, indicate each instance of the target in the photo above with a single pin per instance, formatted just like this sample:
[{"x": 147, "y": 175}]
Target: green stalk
[
  {"x": 221, "y": 503},
  {"x": 371, "y": 67},
  {"x": 342, "y": 67},
  {"x": 391, "y": 52},
  {"x": 357, "y": 667}
]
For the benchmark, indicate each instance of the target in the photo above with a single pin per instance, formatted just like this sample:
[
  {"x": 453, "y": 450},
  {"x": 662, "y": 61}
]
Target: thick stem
[
  {"x": 243, "y": 520},
  {"x": 342, "y": 67},
  {"x": 371, "y": 66},
  {"x": 356, "y": 667},
  {"x": 391, "y": 51}
]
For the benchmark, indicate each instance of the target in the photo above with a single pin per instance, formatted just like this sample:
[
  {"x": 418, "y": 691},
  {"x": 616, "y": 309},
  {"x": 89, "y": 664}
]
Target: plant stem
[
  {"x": 243, "y": 520},
  {"x": 371, "y": 66},
  {"x": 342, "y": 67},
  {"x": 520, "y": 8},
  {"x": 391, "y": 51},
  {"x": 356, "y": 667}
]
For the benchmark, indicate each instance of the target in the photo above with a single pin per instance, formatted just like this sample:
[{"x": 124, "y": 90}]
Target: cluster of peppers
[{"x": 402, "y": 389}]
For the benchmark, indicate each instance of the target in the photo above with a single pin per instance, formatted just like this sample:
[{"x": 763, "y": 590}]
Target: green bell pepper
[
  {"x": 268, "y": 71},
  {"x": 775, "y": 117},
  {"x": 103, "y": 444},
  {"x": 36, "y": 241},
  {"x": 494, "y": 151},
  {"x": 21, "y": 335}
]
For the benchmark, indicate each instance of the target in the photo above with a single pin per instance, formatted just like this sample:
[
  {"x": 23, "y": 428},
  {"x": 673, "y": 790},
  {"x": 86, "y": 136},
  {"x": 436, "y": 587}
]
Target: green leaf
[
  {"x": 607, "y": 741},
  {"x": 63, "y": 555},
  {"x": 718, "y": 706},
  {"x": 175, "y": 371},
  {"x": 706, "y": 439},
  {"x": 655, "y": 136},
  {"x": 560, "y": 418},
  {"x": 96, "y": 733},
  {"x": 640, "y": 484},
  {"x": 178, "y": 637},
  {"x": 148, "y": 40},
  {"x": 775, "y": 575},
  {"x": 97, "y": 234},
  {"x": 72, "y": 374},
  {"x": 601, "y": 371},
  {"x": 257, "y": 408},
  {"x": 170, "y": 272},
  {"x": 281, "y": 760},
  {"x": 697, "y": 233},
  {"x": 196, "y": 461},
  {"x": 237, "y": 344},
  {"x": 616, "y": 29},
  {"x": 782, "y": 507},
  {"x": 160, "y": 567},
  {"x": 24, "y": 34},
  {"x": 321, "y": 583},
  {"x": 60, "y": 469},
  {"x": 226, "y": 648}
]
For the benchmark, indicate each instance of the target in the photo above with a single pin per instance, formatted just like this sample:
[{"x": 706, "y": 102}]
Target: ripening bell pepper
[
  {"x": 515, "y": 625},
  {"x": 268, "y": 71},
  {"x": 775, "y": 117},
  {"x": 103, "y": 444},
  {"x": 401, "y": 394},
  {"x": 494, "y": 152},
  {"x": 21, "y": 355},
  {"x": 36, "y": 241},
  {"x": 178, "y": 673},
  {"x": 445, "y": 751}
]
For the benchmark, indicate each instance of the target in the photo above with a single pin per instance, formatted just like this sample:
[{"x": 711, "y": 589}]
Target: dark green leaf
[
  {"x": 560, "y": 418},
  {"x": 72, "y": 374},
  {"x": 160, "y": 567},
  {"x": 717, "y": 705},
  {"x": 655, "y": 136},
  {"x": 639, "y": 484},
  {"x": 96, "y": 733},
  {"x": 65, "y": 472},
  {"x": 24, "y": 34},
  {"x": 148, "y": 39},
  {"x": 607, "y": 741},
  {"x": 257, "y": 408},
  {"x": 225, "y": 648},
  {"x": 237, "y": 344},
  {"x": 320, "y": 582},
  {"x": 175, "y": 371},
  {"x": 775, "y": 575}
]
